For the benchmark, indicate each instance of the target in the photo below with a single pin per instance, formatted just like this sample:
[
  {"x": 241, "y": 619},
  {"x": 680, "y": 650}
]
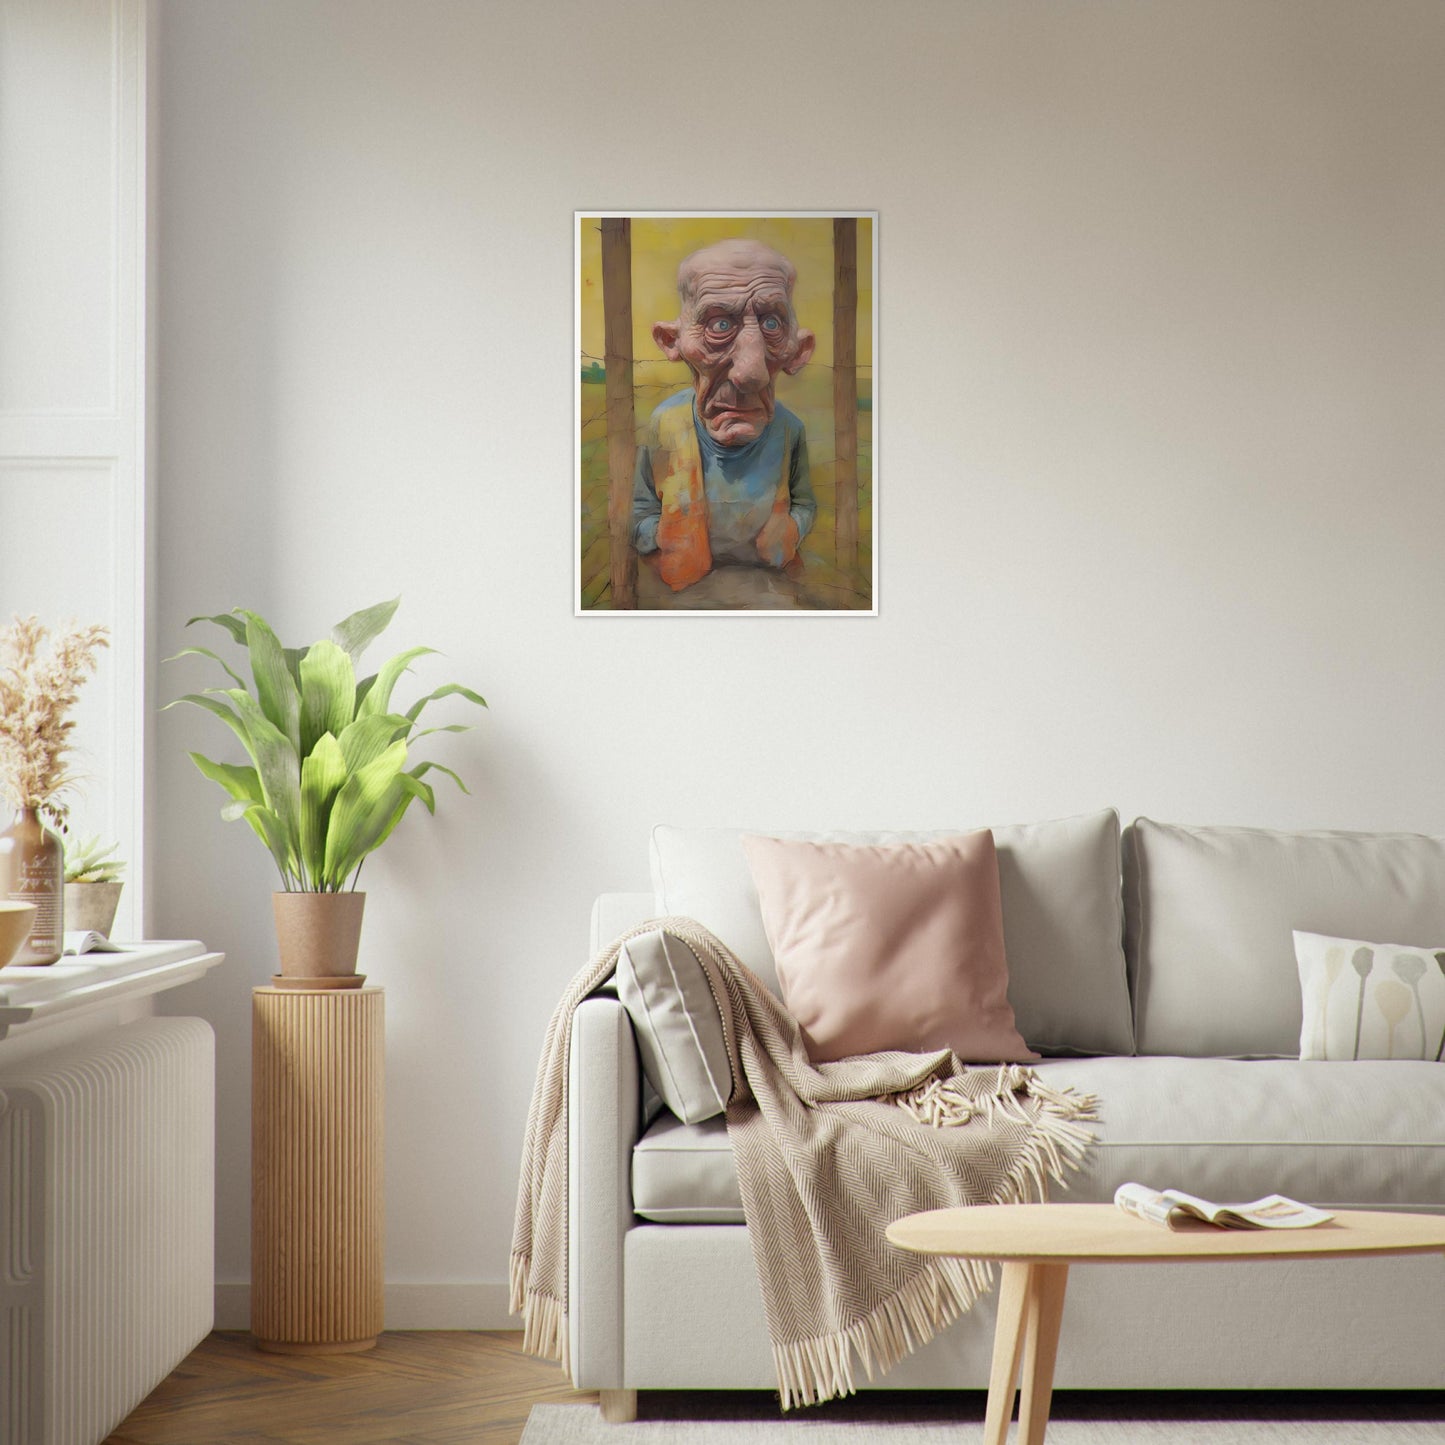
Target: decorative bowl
[{"x": 16, "y": 921}]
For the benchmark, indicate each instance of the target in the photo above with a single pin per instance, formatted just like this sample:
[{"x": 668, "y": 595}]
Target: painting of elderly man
[{"x": 725, "y": 414}]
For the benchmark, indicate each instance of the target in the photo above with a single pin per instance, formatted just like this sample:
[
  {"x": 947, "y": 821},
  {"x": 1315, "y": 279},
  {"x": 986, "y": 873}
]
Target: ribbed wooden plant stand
[{"x": 316, "y": 1169}]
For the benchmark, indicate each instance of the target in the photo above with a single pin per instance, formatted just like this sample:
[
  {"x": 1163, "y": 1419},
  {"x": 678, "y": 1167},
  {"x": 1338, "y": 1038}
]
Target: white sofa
[{"x": 1160, "y": 978}]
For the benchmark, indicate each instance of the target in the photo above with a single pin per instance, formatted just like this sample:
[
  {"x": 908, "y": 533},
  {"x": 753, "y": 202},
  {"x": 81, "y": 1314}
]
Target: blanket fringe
[
  {"x": 545, "y": 1332},
  {"x": 813, "y": 1370},
  {"x": 518, "y": 1269},
  {"x": 1059, "y": 1139},
  {"x": 1056, "y": 1117},
  {"x": 544, "y": 1320},
  {"x": 822, "y": 1368}
]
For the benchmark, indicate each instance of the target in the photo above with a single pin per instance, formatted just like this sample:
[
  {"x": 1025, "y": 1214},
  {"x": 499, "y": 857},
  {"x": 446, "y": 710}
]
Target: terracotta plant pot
[
  {"x": 319, "y": 934},
  {"x": 91, "y": 906}
]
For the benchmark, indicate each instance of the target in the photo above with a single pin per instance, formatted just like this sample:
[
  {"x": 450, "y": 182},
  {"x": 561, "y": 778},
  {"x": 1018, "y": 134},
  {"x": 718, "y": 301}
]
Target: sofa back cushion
[
  {"x": 1211, "y": 914},
  {"x": 1062, "y": 917},
  {"x": 613, "y": 914}
]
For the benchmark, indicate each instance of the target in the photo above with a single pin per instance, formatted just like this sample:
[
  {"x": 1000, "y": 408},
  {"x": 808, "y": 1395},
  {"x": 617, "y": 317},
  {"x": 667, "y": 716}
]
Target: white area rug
[{"x": 1232, "y": 1418}]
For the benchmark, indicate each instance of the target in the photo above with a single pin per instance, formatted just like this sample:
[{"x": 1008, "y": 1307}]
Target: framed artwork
[{"x": 726, "y": 414}]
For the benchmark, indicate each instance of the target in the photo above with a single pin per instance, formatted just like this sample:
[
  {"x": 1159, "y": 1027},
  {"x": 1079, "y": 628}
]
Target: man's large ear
[
  {"x": 665, "y": 334},
  {"x": 802, "y": 352}
]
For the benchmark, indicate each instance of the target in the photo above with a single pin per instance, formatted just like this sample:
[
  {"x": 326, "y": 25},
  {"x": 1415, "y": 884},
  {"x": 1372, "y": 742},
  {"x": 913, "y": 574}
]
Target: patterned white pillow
[{"x": 1370, "y": 1000}]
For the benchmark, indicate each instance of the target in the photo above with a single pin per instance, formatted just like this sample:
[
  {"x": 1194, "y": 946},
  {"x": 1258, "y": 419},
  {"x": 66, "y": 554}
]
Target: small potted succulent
[
  {"x": 92, "y": 886},
  {"x": 327, "y": 778}
]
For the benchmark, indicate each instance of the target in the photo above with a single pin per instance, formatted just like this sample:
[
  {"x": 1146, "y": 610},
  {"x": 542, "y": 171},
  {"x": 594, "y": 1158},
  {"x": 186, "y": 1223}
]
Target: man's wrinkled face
[{"x": 737, "y": 331}]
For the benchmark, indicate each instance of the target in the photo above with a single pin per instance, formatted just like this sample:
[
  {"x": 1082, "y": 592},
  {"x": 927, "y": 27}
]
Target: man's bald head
[
  {"x": 736, "y": 257},
  {"x": 736, "y": 330}
]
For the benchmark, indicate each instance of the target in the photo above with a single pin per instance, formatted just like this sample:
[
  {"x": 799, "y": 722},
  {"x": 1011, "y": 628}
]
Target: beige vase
[
  {"x": 319, "y": 934},
  {"x": 32, "y": 870},
  {"x": 90, "y": 907}
]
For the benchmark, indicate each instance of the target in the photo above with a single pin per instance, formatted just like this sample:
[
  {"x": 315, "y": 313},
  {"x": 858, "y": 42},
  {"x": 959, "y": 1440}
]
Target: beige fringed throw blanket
[{"x": 827, "y": 1156}]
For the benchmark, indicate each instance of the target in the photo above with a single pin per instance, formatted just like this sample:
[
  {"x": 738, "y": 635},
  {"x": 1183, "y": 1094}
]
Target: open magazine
[
  {"x": 1177, "y": 1210},
  {"x": 88, "y": 941}
]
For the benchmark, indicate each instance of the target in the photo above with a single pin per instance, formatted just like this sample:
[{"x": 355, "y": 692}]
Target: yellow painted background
[{"x": 658, "y": 245}]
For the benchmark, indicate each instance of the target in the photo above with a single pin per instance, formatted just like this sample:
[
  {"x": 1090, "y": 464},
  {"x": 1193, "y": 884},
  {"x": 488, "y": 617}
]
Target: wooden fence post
[
  {"x": 845, "y": 391},
  {"x": 621, "y": 429}
]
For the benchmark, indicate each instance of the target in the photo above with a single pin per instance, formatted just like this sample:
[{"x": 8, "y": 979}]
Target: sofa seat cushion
[
  {"x": 1356, "y": 1135},
  {"x": 685, "y": 1173}
]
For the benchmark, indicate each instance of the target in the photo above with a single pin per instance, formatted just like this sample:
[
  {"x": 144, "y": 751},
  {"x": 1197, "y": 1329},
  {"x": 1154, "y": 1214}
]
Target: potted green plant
[
  {"x": 328, "y": 777},
  {"x": 92, "y": 885}
]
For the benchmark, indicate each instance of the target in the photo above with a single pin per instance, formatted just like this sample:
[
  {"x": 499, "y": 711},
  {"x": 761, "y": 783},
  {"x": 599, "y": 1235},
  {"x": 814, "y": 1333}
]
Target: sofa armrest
[{"x": 603, "y": 1121}]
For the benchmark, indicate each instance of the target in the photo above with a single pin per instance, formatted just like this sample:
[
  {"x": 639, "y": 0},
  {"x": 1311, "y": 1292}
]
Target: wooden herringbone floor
[{"x": 422, "y": 1387}]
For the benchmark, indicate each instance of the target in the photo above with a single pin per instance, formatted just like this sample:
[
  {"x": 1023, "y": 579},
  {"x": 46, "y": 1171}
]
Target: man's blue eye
[
  {"x": 772, "y": 325},
  {"x": 720, "y": 326}
]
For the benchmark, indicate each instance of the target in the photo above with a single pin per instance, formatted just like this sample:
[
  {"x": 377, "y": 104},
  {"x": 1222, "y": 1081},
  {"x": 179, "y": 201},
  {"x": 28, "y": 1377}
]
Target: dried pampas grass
[{"x": 39, "y": 686}]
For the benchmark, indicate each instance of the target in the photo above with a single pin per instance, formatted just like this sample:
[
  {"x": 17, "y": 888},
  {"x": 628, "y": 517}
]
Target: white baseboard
[{"x": 475, "y": 1306}]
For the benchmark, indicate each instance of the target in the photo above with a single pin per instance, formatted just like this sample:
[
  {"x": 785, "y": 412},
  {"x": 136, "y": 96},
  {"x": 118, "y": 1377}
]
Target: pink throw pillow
[{"x": 890, "y": 947}]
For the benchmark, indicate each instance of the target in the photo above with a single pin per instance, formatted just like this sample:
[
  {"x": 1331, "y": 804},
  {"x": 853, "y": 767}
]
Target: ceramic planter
[
  {"x": 91, "y": 907},
  {"x": 16, "y": 922},
  {"x": 319, "y": 934}
]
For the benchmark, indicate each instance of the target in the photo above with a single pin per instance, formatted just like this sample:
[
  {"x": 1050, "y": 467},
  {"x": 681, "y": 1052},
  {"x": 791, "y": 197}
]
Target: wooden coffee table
[{"x": 1037, "y": 1243}]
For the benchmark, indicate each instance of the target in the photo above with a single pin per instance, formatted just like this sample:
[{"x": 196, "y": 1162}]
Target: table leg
[
  {"x": 1044, "y": 1310},
  {"x": 1013, "y": 1298}
]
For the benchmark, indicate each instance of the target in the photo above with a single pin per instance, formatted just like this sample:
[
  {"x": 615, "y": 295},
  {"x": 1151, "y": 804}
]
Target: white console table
[{"x": 107, "y": 1121}]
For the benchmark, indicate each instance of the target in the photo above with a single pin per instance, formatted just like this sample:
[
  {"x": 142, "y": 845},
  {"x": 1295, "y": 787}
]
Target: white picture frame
[{"x": 626, "y": 262}]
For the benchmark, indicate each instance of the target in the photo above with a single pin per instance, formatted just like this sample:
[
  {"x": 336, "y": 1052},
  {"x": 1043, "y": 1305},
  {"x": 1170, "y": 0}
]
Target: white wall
[{"x": 1161, "y": 442}]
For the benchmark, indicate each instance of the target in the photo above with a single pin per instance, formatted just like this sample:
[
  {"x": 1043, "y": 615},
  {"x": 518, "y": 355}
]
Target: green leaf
[
  {"x": 408, "y": 788},
  {"x": 452, "y": 689},
  {"x": 422, "y": 769},
  {"x": 368, "y": 737},
  {"x": 229, "y": 621},
  {"x": 214, "y": 656},
  {"x": 356, "y": 633},
  {"x": 363, "y": 688},
  {"x": 423, "y": 791},
  {"x": 293, "y": 656},
  {"x": 226, "y": 714},
  {"x": 243, "y": 784},
  {"x": 362, "y": 810},
  {"x": 447, "y": 728},
  {"x": 378, "y": 698},
  {"x": 328, "y": 693},
  {"x": 323, "y": 773},
  {"x": 275, "y": 689},
  {"x": 276, "y": 762},
  {"x": 270, "y": 830}
]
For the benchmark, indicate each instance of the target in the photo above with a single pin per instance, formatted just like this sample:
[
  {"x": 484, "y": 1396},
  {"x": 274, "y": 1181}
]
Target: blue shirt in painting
[{"x": 740, "y": 483}]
